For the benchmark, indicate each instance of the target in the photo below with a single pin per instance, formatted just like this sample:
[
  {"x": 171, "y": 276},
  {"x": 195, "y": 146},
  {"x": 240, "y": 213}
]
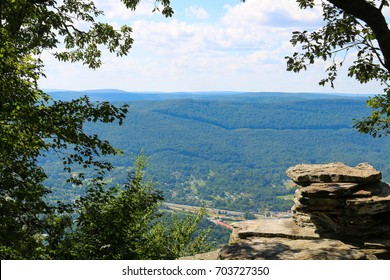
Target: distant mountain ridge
[{"x": 113, "y": 95}]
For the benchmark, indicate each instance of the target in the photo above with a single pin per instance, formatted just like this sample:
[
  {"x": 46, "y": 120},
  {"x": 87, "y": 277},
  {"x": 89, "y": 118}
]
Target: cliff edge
[{"x": 339, "y": 213}]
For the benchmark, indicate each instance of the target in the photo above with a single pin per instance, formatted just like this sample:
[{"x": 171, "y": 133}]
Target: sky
[{"x": 208, "y": 45}]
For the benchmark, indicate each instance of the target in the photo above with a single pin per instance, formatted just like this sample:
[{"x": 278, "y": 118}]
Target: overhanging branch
[{"x": 374, "y": 18}]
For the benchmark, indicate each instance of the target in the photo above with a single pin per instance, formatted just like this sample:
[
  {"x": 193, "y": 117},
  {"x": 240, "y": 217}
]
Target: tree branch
[
  {"x": 384, "y": 2},
  {"x": 374, "y": 18}
]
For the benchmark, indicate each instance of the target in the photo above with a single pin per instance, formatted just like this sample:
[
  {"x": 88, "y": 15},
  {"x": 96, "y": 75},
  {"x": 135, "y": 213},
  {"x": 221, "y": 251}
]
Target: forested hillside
[{"x": 231, "y": 151}]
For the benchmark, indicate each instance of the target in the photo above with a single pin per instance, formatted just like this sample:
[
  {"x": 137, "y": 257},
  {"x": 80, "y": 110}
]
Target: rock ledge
[
  {"x": 333, "y": 172},
  {"x": 339, "y": 212}
]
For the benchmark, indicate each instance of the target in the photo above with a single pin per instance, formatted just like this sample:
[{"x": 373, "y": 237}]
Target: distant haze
[{"x": 119, "y": 95}]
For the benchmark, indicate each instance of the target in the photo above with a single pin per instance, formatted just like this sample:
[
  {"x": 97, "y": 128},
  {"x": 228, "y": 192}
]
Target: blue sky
[{"x": 208, "y": 45}]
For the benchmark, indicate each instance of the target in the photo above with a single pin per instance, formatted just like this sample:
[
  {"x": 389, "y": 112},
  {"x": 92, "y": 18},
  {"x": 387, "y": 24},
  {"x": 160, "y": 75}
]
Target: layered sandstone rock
[
  {"x": 339, "y": 212},
  {"x": 348, "y": 202},
  {"x": 336, "y": 172},
  {"x": 282, "y": 239}
]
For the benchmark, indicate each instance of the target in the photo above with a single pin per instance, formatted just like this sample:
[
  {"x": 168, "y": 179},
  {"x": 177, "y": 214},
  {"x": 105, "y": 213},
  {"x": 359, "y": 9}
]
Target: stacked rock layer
[{"x": 336, "y": 199}]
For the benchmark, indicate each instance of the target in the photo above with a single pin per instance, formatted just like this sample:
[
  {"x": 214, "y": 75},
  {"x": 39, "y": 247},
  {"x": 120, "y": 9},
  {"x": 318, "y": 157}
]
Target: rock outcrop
[
  {"x": 304, "y": 174},
  {"x": 339, "y": 212},
  {"x": 283, "y": 239},
  {"x": 339, "y": 200}
]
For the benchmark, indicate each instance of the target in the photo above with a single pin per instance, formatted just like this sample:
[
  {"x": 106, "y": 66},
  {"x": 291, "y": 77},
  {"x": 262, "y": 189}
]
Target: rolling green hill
[{"x": 231, "y": 151}]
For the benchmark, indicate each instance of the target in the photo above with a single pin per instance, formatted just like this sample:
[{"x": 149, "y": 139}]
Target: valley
[{"x": 230, "y": 151}]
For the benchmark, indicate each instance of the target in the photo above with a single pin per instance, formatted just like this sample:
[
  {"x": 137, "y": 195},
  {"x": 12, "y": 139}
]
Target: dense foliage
[
  {"x": 126, "y": 223},
  {"x": 31, "y": 124}
]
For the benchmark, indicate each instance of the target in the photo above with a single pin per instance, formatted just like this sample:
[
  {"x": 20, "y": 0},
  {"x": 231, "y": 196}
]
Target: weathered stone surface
[
  {"x": 282, "y": 239},
  {"x": 343, "y": 190},
  {"x": 329, "y": 190},
  {"x": 213, "y": 255},
  {"x": 370, "y": 205},
  {"x": 302, "y": 219},
  {"x": 324, "y": 204},
  {"x": 343, "y": 226},
  {"x": 350, "y": 226},
  {"x": 337, "y": 172},
  {"x": 278, "y": 248},
  {"x": 378, "y": 242},
  {"x": 368, "y": 190},
  {"x": 358, "y": 208},
  {"x": 271, "y": 228}
]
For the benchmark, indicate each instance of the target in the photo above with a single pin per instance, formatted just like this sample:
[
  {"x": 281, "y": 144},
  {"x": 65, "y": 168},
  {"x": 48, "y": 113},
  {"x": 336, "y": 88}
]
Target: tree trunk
[{"x": 374, "y": 18}]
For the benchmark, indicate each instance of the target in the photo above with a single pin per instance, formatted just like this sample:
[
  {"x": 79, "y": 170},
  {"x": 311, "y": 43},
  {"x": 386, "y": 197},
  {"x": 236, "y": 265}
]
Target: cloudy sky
[{"x": 208, "y": 45}]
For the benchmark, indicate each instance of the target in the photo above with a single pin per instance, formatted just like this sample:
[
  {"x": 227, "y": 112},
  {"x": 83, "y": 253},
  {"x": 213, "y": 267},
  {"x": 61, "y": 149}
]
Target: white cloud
[
  {"x": 280, "y": 13},
  {"x": 248, "y": 26},
  {"x": 242, "y": 50},
  {"x": 196, "y": 12},
  {"x": 175, "y": 37}
]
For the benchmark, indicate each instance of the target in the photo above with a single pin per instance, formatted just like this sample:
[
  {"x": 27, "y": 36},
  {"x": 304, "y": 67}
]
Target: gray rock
[
  {"x": 344, "y": 209},
  {"x": 278, "y": 248},
  {"x": 286, "y": 228},
  {"x": 302, "y": 219},
  {"x": 336, "y": 172},
  {"x": 325, "y": 204},
  {"x": 282, "y": 239},
  {"x": 371, "y": 205},
  {"x": 329, "y": 190},
  {"x": 213, "y": 255}
]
